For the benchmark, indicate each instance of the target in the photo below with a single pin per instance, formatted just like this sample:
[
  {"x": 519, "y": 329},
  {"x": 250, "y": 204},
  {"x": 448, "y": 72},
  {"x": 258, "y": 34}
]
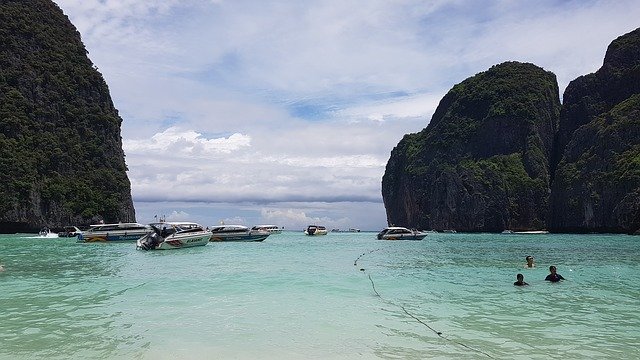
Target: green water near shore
[{"x": 293, "y": 297}]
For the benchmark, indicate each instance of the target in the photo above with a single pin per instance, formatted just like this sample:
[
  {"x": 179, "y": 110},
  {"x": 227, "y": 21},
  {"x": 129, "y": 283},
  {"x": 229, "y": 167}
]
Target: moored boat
[
  {"x": 272, "y": 229},
  {"x": 45, "y": 232},
  {"x": 237, "y": 233},
  {"x": 400, "y": 233},
  {"x": 532, "y": 232},
  {"x": 174, "y": 235},
  {"x": 313, "y": 230},
  {"x": 119, "y": 232},
  {"x": 69, "y": 231}
]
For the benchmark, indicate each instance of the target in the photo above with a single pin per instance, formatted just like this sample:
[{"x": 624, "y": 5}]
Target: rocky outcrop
[
  {"x": 61, "y": 157},
  {"x": 596, "y": 186},
  {"x": 482, "y": 162}
]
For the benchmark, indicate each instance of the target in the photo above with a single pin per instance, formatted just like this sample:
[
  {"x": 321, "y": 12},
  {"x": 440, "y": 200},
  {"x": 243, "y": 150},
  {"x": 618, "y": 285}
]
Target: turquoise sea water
[{"x": 299, "y": 297}]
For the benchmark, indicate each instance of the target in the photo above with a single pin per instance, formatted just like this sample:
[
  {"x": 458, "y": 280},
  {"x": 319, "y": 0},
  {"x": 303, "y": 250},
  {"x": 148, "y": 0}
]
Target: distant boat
[
  {"x": 341, "y": 231},
  {"x": 449, "y": 231},
  {"x": 533, "y": 232},
  {"x": 174, "y": 235},
  {"x": 400, "y": 233},
  {"x": 237, "y": 233},
  {"x": 313, "y": 230},
  {"x": 69, "y": 231},
  {"x": 46, "y": 233},
  {"x": 507, "y": 232},
  {"x": 272, "y": 229},
  {"x": 119, "y": 232}
]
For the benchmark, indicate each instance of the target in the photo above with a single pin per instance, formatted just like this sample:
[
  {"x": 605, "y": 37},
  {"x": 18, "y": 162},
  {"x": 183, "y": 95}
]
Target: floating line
[
  {"x": 355, "y": 263},
  {"x": 439, "y": 333}
]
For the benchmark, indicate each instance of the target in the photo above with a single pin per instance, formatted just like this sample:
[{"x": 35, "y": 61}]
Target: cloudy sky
[{"x": 285, "y": 112}]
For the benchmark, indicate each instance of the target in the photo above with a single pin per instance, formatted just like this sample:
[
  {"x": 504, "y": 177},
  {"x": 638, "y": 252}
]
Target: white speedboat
[
  {"x": 313, "y": 230},
  {"x": 46, "y": 233},
  {"x": 237, "y": 233},
  {"x": 400, "y": 233},
  {"x": 69, "y": 231},
  {"x": 272, "y": 229},
  {"x": 114, "y": 232},
  {"x": 174, "y": 235}
]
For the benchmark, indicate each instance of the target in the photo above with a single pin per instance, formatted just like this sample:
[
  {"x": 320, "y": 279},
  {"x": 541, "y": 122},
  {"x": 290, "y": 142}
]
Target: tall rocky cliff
[
  {"x": 597, "y": 153},
  {"x": 482, "y": 162},
  {"x": 500, "y": 153},
  {"x": 61, "y": 157}
]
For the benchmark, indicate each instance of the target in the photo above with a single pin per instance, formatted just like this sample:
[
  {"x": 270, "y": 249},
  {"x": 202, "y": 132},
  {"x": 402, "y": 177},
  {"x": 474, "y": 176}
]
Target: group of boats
[
  {"x": 173, "y": 235},
  {"x": 168, "y": 235}
]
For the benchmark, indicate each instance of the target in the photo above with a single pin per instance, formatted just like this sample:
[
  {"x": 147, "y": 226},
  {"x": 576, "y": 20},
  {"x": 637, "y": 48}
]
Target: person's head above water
[
  {"x": 553, "y": 275},
  {"x": 520, "y": 281},
  {"x": 530, "y": 261}
]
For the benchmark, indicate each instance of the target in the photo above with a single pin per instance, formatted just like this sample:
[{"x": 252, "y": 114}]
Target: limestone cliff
[
  {"x": 597, "y": 153},
  {"x": 61, "y": 157},
  {"x": 482, "y": 162}
]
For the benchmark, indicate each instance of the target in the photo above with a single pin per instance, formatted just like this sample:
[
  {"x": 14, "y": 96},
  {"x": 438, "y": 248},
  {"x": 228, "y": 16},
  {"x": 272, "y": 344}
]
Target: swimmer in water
[
  {"x": 520, "y": 281},
  {"x": 529, "y": 264},
  {"x": 553, "y": 276}
]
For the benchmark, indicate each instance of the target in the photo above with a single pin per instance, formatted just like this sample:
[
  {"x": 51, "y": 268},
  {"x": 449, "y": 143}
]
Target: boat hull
[
  {"x": 184, "y": 242},
  {"x": 316, "y": 233},
  {"x": 239, "y": 237},
  {"x": 400, "y": 233},
  {"x": 112, "y": 236},
  {"x": 403, "y": 237},
  {"x": 174, "y": 235}
]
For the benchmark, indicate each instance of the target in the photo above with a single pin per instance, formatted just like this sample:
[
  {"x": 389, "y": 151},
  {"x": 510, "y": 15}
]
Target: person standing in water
[
  {"x": 553, "y": 276},
  {"x": 529, "y": 264},
  {"x": 520, "y": 281}
]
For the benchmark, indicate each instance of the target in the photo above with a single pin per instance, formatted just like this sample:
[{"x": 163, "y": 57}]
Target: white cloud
[
  {"x": 174, "y": 141},
  {"x": 178, "y": 216}
]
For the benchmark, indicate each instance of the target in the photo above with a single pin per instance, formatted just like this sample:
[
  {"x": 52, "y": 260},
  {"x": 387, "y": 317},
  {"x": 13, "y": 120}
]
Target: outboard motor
[{"x": 150, "y": 241}]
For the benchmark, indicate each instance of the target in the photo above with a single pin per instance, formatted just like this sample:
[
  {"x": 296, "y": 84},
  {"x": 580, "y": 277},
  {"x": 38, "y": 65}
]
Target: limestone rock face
[
  {"x": 482, "y": 163},
  {"x": 596, "y": 159},
  {"x": 61, "y": 157}
]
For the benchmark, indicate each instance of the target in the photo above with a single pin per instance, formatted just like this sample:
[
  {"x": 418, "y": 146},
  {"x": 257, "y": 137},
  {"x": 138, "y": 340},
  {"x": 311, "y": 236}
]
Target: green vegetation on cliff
[
  {"x": 598, "y": 180},
  {"x": 500, "y": 153},
  {"x": 482, "y": 162},
  {"x": 61, "y": 158},
  {"x": 596, "y": 186}
]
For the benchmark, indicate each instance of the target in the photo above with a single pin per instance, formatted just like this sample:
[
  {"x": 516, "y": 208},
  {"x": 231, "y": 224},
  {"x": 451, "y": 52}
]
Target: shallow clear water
[{"x": 340, "y": 296}]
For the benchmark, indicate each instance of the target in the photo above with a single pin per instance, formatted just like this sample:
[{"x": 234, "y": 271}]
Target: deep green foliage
[
  {"x": 600, "y": 172},
  {"x": 60, "y": 146},
  {"x": 482, "y": 162}
]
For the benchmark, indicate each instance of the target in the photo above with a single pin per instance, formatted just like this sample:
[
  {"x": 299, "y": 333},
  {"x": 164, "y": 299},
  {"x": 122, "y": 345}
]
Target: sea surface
[{"x": 339, "y": 296}]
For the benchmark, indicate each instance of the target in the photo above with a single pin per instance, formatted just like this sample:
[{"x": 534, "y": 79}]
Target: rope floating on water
[
  {"x": 439, "y": 333},
  {"x": 355, "y": 263}
]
